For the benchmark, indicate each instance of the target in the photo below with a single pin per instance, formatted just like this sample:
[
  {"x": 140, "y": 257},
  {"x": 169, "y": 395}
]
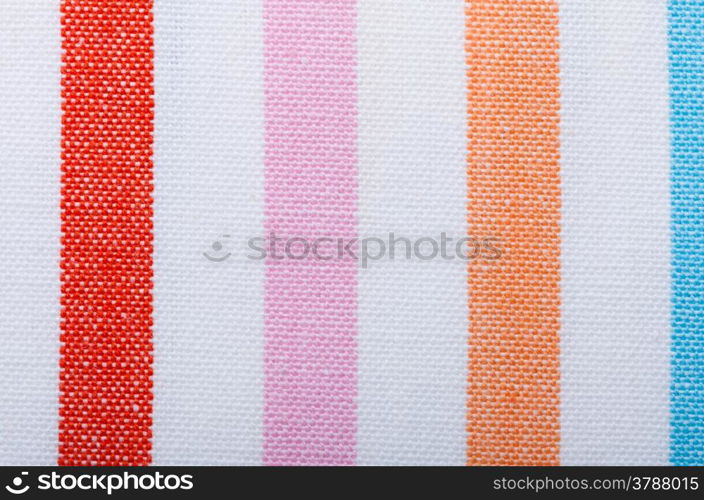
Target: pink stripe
[{"x": 311, "y": 192}]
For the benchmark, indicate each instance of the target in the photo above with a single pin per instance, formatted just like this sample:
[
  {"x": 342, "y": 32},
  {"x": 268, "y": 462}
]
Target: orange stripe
[
  {"x": 106, "y": 260},
  {"x": 514, "y": 195}
]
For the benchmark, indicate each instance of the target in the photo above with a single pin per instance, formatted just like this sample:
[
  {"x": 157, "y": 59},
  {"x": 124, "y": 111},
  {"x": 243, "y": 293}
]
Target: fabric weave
[
  {"x": 106, "y": 215},
  {"x": 155, "y": 152},
  {"x": 687, "y": 111},
  {"x": 311, "y": 192},
  {"x": 513, "y": 181}
]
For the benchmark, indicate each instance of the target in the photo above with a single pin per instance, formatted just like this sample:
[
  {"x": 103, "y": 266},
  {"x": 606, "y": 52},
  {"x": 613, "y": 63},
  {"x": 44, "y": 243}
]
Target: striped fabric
[
  {"x": 106, "y": 221},
  {"x": 352, "y": 232},
  {"x": 687, "y": 159},
  {"x": 310, "y": 164},
  {"x": 513, "y": 191}
]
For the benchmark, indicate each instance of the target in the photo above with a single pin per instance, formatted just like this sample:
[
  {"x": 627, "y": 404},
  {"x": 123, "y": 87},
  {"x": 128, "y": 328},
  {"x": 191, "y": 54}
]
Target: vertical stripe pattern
[
  {"x": 615, "y": 233},
  {"x": 208, "y": 201},
  {"x": 30, "y": 128},
  {"x": 310, "y": 186},
  {"x": 687, "y": 116},
  {"x": 412, "y": 312},
  {"x": 106, "y": 211},
  {"x": 514, "y": 196},
  {"x": 339, "y": 232}
]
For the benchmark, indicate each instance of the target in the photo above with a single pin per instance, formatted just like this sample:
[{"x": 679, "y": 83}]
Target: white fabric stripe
[
  {"x": 30, "y": 162},
  {"x": 616, "y": 213},
  {"x": 412, "y": 315},
  {"x": 209, "y": 183}
]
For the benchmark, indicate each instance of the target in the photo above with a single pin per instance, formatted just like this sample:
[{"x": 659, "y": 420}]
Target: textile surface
[{"x": 352, "y": 232}]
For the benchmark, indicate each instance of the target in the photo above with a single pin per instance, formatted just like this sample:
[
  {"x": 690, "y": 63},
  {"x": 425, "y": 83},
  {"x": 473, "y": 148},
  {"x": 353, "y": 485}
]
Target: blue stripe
[{"x": 686, "y": 43}]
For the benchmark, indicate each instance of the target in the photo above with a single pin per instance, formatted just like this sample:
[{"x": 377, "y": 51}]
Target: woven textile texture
[
  {"x": 514, "y": 196},
  {"x": 351, "y": 232},
  {"x": 106, "y": 215},
  {"x": 687, "y": 101},
  {"x": 310, "y": 185},
  {"x": 615, "y": 255}
]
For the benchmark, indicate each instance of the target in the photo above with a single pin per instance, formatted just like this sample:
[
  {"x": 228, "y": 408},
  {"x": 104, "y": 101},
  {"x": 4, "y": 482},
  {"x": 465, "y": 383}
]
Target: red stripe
[{"x": 106, "y": 261}]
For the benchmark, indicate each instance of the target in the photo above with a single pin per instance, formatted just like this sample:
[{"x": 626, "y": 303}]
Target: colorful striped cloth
[{"x": 337, "y": 232}]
